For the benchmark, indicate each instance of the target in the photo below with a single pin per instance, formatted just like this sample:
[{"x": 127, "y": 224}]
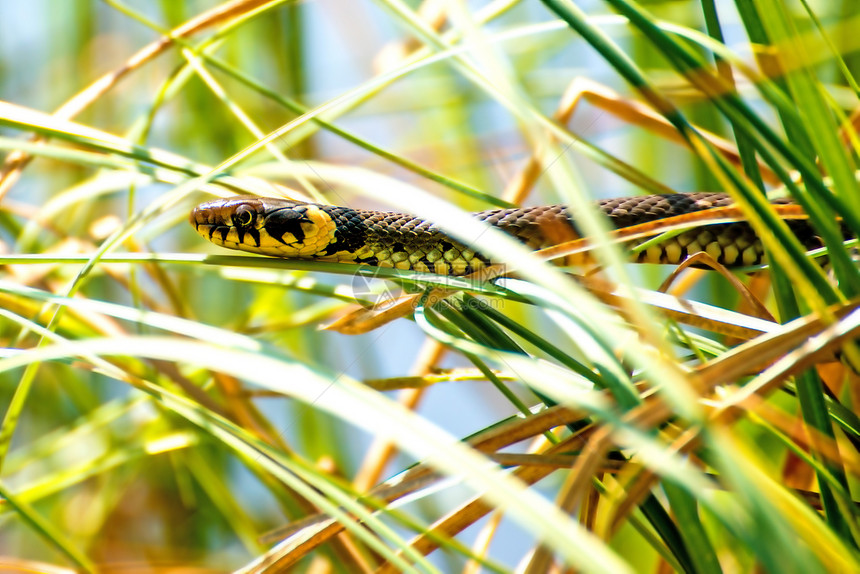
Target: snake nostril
[{"x": 204, "y": 217}]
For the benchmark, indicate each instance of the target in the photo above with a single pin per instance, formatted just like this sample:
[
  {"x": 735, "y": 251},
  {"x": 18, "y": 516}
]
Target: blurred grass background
[{"x": 167, "y": 409}]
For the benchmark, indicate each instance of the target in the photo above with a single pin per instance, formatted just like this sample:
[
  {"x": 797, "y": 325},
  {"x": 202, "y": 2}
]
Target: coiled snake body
[{"x": 296, "y": 230}]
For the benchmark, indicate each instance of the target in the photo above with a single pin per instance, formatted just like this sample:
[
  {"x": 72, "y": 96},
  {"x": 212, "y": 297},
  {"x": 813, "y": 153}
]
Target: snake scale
[{"x": 298, "y": 230}]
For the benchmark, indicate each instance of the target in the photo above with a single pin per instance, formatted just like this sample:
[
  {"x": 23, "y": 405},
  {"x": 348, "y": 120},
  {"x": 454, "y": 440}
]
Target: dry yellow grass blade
[
  {"x": 383, "y": 449},
  {"x": 470, "y": 512},
  {"x": 316, "y": 529},
  {"x": 443, "y": 376},
  {"x": 631, "y": 111},
  {"x": 785, "y": 345},
  {"x": 16, "y": 161}
]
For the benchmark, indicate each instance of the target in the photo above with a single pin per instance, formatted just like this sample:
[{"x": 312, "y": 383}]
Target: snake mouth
[{"x": 210, "y": 227}]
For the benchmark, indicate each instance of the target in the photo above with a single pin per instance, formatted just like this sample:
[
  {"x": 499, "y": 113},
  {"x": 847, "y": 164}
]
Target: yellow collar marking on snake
[{"x": 298, "y": 230}]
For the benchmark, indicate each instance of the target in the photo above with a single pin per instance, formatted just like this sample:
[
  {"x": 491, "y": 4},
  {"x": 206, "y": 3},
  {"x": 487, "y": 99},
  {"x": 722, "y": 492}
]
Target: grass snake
[{"x": 310, "y": 231}]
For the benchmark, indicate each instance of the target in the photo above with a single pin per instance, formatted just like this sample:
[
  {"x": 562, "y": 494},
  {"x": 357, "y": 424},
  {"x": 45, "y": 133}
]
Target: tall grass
[{"x": 168, "y": 405}]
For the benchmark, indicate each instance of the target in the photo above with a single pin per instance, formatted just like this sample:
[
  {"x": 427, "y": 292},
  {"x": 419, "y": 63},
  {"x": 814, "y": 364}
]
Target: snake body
[{"x": 297, "y": 230}]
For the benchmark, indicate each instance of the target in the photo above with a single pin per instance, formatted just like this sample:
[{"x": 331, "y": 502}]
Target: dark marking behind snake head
[
  {"x": 351, "y": 231},
  {"x": 284, "y": 221}
]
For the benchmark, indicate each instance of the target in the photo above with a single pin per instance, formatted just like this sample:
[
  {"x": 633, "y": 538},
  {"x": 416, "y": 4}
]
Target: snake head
[{"x": 272, "y": 226}]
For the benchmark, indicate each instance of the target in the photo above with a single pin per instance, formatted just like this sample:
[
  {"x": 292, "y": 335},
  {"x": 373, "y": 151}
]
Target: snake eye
[{"x": 244, "y": 217}]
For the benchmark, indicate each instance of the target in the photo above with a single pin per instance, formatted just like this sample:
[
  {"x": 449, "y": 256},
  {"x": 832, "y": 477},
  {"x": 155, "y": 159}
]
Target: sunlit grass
[{"x": 168, "y": 405}]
